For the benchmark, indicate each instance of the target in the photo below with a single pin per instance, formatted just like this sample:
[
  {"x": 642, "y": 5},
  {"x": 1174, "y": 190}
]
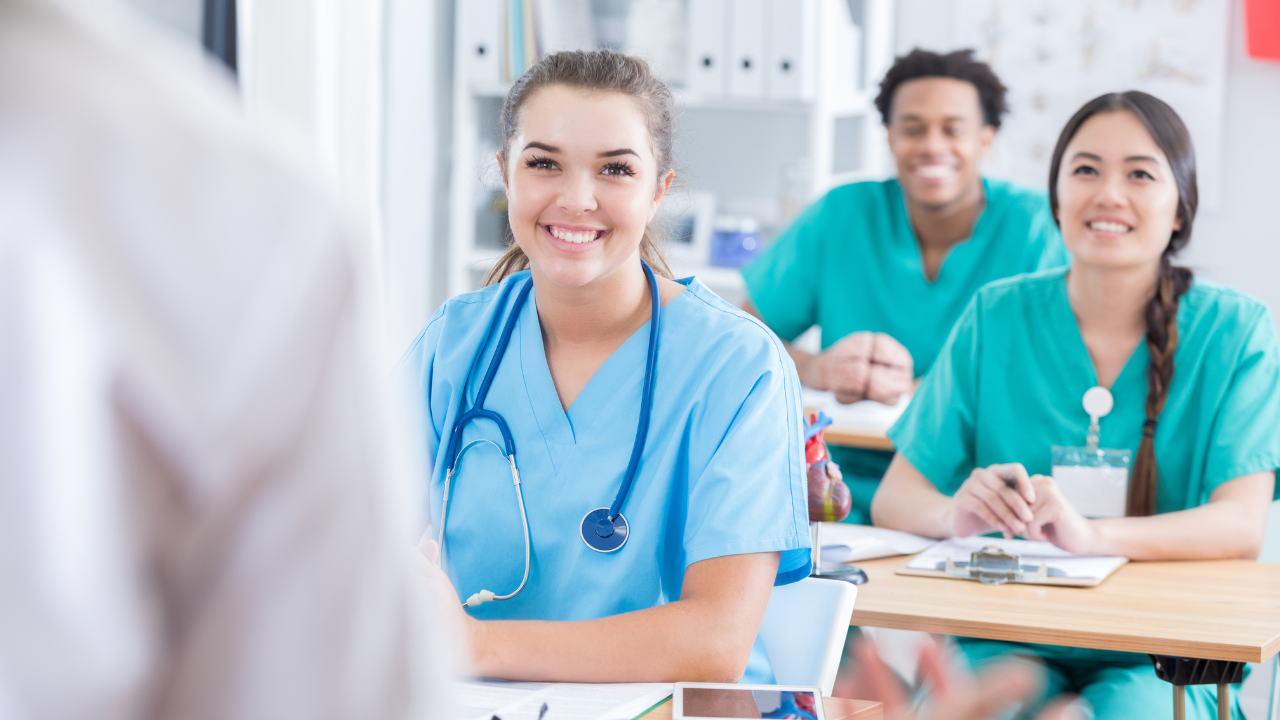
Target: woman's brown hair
[
  {"x": 1170, "y": 134},
  {"x": 596, "y": 71}
]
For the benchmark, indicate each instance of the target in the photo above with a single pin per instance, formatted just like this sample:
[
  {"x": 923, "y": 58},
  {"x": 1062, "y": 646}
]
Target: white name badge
[{"x": 1095, "y": 481}]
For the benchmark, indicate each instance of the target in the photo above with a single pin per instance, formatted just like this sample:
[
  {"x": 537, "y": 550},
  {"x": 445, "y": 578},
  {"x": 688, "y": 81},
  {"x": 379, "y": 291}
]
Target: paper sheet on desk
[
  {"x": 1030, "y": 552},
  {"x": 482, "y": 699},
  {"x": 862, "y": 415},
  {"x": 843, "y": 542}
]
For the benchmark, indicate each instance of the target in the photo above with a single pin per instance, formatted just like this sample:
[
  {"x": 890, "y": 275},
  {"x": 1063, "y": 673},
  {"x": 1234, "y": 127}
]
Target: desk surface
[
  {"x": 1211, "y": 610},
  {"x": 853, "y": 437},
  {"x": 833, "y": 708}
]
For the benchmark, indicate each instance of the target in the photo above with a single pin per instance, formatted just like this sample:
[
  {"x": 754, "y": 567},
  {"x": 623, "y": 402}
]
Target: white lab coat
[{"x": 201, "y": 515}]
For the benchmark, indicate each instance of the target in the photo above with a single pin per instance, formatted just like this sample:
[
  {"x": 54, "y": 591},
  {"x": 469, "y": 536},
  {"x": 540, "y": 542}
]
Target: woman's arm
[
  {"x": 705, "y": 636},
  {"x": 997, "y": 498},
  {"x": 1231, "y": 525}
]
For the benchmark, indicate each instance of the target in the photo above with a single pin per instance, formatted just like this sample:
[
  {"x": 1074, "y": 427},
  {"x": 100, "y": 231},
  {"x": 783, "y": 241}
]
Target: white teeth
[
  {"x": 575, "y": 238},
  {"x": 935, "y": 172},
  {"x": 1109, "y": 227}
]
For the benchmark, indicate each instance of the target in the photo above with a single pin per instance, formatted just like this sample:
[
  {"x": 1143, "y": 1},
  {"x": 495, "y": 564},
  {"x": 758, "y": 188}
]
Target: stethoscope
[{"x": 603, "y": 529}]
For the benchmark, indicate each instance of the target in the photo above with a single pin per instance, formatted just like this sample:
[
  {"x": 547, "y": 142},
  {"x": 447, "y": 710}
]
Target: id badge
[{"x": 1094, "y": 480}]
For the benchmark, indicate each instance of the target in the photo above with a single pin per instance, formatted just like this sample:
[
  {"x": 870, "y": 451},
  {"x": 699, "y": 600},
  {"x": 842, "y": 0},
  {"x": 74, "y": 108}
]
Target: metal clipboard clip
[{"x": 994, "y": 566}]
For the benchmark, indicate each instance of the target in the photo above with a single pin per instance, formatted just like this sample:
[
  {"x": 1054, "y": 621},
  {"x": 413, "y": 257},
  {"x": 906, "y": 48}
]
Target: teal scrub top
[
  {"x": 851, "y": 262},
  {"x": 722, "y": 471},
  {"x": 1008, "y": 385}
]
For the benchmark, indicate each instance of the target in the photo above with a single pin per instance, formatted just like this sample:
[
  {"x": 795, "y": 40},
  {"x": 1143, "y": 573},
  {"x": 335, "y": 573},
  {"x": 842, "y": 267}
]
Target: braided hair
[{"x": 1161, "y": 313}]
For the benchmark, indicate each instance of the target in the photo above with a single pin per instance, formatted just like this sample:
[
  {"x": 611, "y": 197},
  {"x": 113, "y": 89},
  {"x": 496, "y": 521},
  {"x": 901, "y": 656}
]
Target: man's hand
[{"x": 864, "y": 366}]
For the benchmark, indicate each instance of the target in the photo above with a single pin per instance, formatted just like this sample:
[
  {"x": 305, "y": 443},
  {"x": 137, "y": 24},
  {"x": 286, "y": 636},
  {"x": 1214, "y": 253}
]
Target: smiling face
[
  {"x": 938, "y": 137},
  {"x": 582, "y": 184},
  {"x": 1117, "y": 196}
]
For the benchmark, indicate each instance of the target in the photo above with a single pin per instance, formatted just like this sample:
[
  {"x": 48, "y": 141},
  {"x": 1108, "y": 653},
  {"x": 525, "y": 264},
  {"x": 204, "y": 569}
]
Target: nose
[
  {"x": 1111, "y": 193},
  {"x": 577, "y": 194},
  {"x": 935, "y": 142}
]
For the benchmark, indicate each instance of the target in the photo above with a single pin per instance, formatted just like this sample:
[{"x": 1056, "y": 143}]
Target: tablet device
[{"x": 722, "y": 701}]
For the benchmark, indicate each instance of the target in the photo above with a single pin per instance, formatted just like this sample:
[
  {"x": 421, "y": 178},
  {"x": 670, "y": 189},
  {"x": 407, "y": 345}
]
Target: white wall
[
  {"x": 1239, "y": 243},
  {"x": 181, "y": 16}
]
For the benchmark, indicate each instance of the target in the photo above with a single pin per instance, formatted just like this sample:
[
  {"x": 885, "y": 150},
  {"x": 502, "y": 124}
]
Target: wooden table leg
[{"x": 1179, "y": 702}]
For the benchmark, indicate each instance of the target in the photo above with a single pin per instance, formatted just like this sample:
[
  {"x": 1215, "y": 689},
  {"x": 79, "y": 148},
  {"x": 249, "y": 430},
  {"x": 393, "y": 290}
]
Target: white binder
[
  {"x": 746, "y": 49},
  {"x": 479, "y": 52},
  {"x": 792, "y": 49},
  {"x": 708, "y": 21}
]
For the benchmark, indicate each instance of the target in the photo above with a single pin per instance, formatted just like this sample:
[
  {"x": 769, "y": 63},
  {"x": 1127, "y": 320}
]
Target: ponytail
[{"x": 1162, "y": 344}]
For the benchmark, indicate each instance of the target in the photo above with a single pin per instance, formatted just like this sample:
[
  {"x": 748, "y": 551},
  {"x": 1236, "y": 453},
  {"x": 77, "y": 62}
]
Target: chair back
[{"x": 804, "y": 630}]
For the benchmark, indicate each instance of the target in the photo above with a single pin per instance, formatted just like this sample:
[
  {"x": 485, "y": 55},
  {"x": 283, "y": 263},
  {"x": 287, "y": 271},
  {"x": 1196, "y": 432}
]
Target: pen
[{"x": 542, "y": 712}]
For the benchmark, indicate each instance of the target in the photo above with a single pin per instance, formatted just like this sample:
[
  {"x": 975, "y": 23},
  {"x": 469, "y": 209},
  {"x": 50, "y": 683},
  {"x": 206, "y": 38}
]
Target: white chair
[{"x": 804, "y": 631}]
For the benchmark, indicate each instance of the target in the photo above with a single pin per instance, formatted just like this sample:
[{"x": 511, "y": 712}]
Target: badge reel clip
[
  {"x": 994, "y": 566},
  {"x": 1094, "y": 480}
]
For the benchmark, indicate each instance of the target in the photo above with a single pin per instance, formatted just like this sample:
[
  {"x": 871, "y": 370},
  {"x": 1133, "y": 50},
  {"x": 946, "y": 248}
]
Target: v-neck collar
[
  {"x": 619, "y": 375},
  {"x": 913, "y": 254},
  {"x": 1069, "y": 328}
]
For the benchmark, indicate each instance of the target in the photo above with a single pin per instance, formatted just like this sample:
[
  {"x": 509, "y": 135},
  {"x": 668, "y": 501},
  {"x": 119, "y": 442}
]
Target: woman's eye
[
  {"x": 1141, "y": 175},
  {"x": 540, "y": 162},
  {"x": 1084, "y": 170},
  {"x": 618, "y": 170}
]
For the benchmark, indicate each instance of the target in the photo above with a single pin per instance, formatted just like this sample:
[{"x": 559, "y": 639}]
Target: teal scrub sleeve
[
  {"x": 936, "y": 432},
  {"x": 751, "y": 493},
  {"x": 783, "y": 281},
  {"x": 1244, "y": 438}
]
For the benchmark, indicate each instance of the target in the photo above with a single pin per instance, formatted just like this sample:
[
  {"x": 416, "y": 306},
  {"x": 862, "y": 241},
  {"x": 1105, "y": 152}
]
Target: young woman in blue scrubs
[
  {"x": 1193, "y": 368},
  {"x": 715, "y": 515}
]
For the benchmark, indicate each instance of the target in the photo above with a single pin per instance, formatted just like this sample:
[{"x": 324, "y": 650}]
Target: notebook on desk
[{"x": 1063, "y": 568}]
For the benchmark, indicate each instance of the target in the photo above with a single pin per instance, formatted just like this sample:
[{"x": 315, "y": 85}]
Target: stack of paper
[
  {"x": 863, "y": 415},
  {"x": 843, "y": 542},
  {"x": 483, "y": 699}
]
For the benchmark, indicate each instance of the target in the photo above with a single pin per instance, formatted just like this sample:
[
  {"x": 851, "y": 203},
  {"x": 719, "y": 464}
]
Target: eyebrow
[
  {"x": 1131, "y": 158},
  {"x": 912, "y": 117},
  {"x": 553, "y": 149}
]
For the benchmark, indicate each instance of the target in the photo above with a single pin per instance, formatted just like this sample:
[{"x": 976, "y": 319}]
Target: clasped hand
[
  {"x": 1005, "y": 499},
  {"x": 865, "y": 366}
]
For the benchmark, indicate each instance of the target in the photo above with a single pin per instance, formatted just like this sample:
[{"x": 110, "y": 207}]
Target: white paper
[
  {"x": 862, "y": 415},
  {"x": 482, "y": 699},
  {"x": 843, "y": 542},
  {"x": 1030, "y": 552}
]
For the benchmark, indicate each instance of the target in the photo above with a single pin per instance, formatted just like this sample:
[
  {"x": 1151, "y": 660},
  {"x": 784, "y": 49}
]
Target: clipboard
[{"x": 996, "y": 561}]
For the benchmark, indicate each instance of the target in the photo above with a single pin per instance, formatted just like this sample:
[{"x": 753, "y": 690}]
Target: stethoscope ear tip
[{"x": 483, "y": 596}]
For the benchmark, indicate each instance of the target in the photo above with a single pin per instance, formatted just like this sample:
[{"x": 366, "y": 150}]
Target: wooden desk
[
  {"x": 852, "y": 437},
  {"x": 834, "y": 708},
  {"x": 1214, "y": 610}
]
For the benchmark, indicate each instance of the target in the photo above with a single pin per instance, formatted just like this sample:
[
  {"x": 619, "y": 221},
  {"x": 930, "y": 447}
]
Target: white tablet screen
[{"x": 743, "y": 703}]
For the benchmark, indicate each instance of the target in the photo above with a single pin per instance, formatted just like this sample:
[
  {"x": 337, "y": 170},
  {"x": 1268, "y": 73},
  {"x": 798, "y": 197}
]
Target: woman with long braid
[{"x": 1193, "y": 370}]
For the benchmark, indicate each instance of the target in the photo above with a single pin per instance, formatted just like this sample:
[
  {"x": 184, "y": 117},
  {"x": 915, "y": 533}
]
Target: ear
[
  {"x": 664, "y": 186},
  {"x": 1177, "y": 222},
  {"x": 502, "y": 170},
  {"x": 986, "y": 138}
]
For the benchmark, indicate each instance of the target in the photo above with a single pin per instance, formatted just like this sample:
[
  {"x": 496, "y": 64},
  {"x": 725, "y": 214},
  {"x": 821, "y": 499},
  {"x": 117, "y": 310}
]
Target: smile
[
  {"x": 1109, "y": 227},
  {"x": 577, "y": 237},
  {"x": 935, "y": 172}
]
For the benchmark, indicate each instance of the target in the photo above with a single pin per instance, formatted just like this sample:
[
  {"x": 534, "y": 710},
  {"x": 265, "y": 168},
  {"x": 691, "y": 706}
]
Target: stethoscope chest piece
[{"x": 601, "y": 534}]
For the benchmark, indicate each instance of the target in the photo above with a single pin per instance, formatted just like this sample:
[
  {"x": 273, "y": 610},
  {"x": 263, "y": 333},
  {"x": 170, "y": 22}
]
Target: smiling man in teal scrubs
[{"x": 886, "y": 268}]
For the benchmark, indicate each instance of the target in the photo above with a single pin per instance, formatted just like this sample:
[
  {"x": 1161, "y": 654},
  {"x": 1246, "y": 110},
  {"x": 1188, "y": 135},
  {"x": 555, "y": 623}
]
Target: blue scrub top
[{"x": 722, "y": 471}]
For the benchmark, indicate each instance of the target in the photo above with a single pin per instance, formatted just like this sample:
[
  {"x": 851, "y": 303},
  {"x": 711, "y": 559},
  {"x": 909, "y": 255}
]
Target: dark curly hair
[{"x": 959, "y": 65}]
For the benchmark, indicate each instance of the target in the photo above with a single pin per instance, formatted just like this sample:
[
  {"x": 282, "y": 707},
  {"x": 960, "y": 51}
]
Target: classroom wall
[{"x": 1237, "y": 244}]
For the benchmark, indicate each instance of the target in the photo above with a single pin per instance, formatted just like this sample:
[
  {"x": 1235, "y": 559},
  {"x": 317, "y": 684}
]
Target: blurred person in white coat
[{"x": 201, "y": 512}]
